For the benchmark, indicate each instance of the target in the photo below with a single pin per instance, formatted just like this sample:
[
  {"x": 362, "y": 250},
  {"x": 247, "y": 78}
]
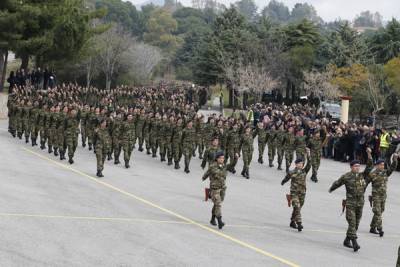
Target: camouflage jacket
[
  {"x": 379, "y": 180},
  {"x": 355, "y": 184},
  {"x": 209, "y": 156},
  {"x": 103, "y": 139},
  {"x": 233, "y": 141},
  {"x": 315, "y": 145},
  {"x": 217, "y": 175},
  {"x": 128, "y": 131},
  {"x": 298, "y": 179},
  {"x": 289, "y": 142}
]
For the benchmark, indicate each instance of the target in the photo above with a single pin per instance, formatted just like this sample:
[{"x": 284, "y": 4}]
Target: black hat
[
  {"x": 299, "y": 160},
  {"x": 379, "y": 161},
  {"x": 354, "y": 162},
  {"x": 219, "y": 154}
]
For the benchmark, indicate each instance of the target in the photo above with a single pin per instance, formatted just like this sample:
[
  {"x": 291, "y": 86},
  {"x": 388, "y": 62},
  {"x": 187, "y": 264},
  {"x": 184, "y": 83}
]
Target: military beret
[
  {"x": 379, "y": 161},
  {"x": 354, "y": 162},
  {"x": 219, "y": 154},
  {"x": 299, "y": 160}
]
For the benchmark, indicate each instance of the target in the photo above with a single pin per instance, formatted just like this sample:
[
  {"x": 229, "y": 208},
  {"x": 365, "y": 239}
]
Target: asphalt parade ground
[{"x": 56, "y": 214}]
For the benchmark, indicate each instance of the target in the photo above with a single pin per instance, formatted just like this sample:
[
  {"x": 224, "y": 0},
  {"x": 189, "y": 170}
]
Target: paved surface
[{"x": 54, "y": 214}]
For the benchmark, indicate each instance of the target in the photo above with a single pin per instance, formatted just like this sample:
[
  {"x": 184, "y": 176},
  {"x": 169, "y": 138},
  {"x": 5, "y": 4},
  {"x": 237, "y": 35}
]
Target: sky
[{"x": 330, "y": 10}]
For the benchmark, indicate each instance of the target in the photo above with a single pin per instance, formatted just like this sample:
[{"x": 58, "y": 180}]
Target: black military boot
[
  {"x": 127, "y": 165},
  {"x": 154, "y": 155},
  {"x": 200, "y": 155},
  {"x": 148, "y": 152},
  {"x": 169, "y": 162},
  {"x": 314, "y": 178},
  {"x": 56, "y": 152},
  {"x": 260, "y": 160},
  {"x": 177, "y": 167},
  {"x": 187, "y": 168},
  {"x": 116, "y": 161},
  {"x": 220, "y": 222},
  {"x": 299, "y": 227},
  {"x": 373, "y": 231},
  {"x": 243, "y": 173},
  {"x": 212, "y": 221},
  {"x": 83, "y": 144},
  {"x": 356, "y": 247},
  {"x": 293, "y": 225},
  {"x": 246, "y": 174},
  {"x": 99, "y": 174},
  {"x": 90, "y": 147},
  {"x": 162, "y": 158},
  {"x": 347, "y": 243},
  {"x": 26, "y": 139},
  {"x": 61, "y": 155},
  {"x": 19, "y": 135},
  {"x": 140, "y": 148},
  {"x": 109, "y": 156},
  {"x": 70, "y": 160},
  {"x": 271, "y": 164},
  {"x": 279, "y": 167},
  {"x": 50, "y": 150},
  {"x": 381, "y": 232}
]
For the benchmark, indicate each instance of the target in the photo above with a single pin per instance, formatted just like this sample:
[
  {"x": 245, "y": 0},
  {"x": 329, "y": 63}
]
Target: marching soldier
[
  {"x": 271, "y": 136},
  {"x": 71, "y": 133},
  {"x": 116, "y": 136},
  {"x": 188, "y": 143},
  {"x": 103, "y": 146},
  {"x": 355, "y": 184},
  {"x": 233, "y": 148},
  {"x": 209, "y": 154},
  {"x": 246, "y": 146},
  {"x": 297, "y": 190},
  {"x": 379, "y": 178},
  {"x": 262, "y": 141},
  {"x": 280, "y": 136},
  {"x": 289, "y": 147},
  {"x": 176, "y": 143},
  {"x": 128, "y": 137},
  {"x": 217, "y": 175},
  {"x": 315, "y": 144}
]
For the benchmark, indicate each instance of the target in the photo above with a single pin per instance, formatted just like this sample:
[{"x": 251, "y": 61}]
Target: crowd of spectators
[{"x": 37, "y": 78}]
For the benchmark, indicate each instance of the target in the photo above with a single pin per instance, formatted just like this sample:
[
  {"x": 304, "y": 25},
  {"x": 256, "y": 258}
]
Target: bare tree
[
  {"x": 319, "y": 84},
  {"x": 375, "y": 93},
  {"x": 143, "y": 59},
  {"x": 113, "y": 44}
]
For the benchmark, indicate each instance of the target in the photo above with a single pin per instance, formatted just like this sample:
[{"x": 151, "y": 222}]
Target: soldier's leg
[
  {"x": 351, "y": 221},
  {"x": 261, "y": 149},
  {"x": 141, "y": 140},
  {"x": 125, "y": 147},
  {"x": 169, "y": 153},
  {"x": 280, "y": 158},
  {"x": 289, "y": 159},
  {"x": 216, "y": 199},
  {"x": 245, "y": 158},
  {"x": 296, "y": 216},
  {"x": 271, "y": 156},
  {"x": 359, "y": 211}
]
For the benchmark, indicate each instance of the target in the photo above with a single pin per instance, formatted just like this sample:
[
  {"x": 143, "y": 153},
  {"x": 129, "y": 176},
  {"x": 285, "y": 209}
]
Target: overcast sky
[{"x": 329, "y": 10}]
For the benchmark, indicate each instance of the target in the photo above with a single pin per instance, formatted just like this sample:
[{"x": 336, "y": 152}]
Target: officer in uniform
[
  {"x": 217, "y": 175},
  {"x": 297, "y": 190},
  {"x": 355, "y": 184}
]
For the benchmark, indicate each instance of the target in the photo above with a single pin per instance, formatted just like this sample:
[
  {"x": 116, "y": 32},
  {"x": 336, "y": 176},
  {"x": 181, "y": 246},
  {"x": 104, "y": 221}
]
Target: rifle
[
  {"x": 289, "y": 200},
  {"x": 343, "y": 206}
]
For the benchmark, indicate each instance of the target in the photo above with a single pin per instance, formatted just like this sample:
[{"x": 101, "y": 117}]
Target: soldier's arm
[
  {"x": 307, "y": 168},
  {"x": 369, "y": 166},
  {"x": 206, "y": 174},
  {"x": 337, "y": 184},
  {"x": 393, "y": 166},
  {"x": 286, "y": 179},
  {"x": 205, "y": 157}
]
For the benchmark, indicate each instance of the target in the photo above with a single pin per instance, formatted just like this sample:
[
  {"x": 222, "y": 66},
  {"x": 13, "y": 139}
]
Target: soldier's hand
[
  {"x": 330, "y": 190},
  {"x": 283, "y": 182},
  {"x": 369, "y": 150}
]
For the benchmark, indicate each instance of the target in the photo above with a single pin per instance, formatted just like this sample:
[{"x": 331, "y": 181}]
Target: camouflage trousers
[
  {"x": 288, "y": 158},
  {"x": 71, "y": 141},
  {"x": 61, "y": 139},
  {"x": 187, "y": 153},
  {"x": 90, "y": 135},
  {"x": 26, "y": 128},
  {"x": 140, "y": 138},
  {"x": 147, "y": 140},
  {"x": 43, "y": 135},
  {"x": 315, "y": 162},
  {"x": 176, "y": 151},
  {"x": 217, "y": 197},
  {"x": 199, "y": 145},
  {"x": 271, "y": 152},
  {"x": 117, "y": 146},
  {"x": 84, "y": 132},
  {"x": 101, "y": 154},
  {"x": 297, "y": 204},
  {"x": 353, "y": 217},
  {"x": 261, "y": 149},
  {"x": 154, "y": 144},
  {"x": 280, "y": 153},
  {"x": 378, "y": 207},
  {"x": 232, "y": 151},
  {"x": 52, "y": 140},
  {"x": 34, "y": 131},
  {"x": 300, "y": 154},
  {"x": 127, "y": 146},
  {"x": 247, "y": 157}
]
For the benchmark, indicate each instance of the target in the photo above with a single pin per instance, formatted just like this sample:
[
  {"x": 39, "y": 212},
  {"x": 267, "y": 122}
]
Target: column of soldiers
[{"x": 161, "y": 122}]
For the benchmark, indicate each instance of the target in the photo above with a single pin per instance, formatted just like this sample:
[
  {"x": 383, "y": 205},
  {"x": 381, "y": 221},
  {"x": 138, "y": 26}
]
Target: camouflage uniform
[
  {"x": 103, "y": 146},
  {"x": 165, "y": 132},
  {"x": 300, "y": 145},
  {"x": 71, "y": 135},
  {"x": 116, "y": 138},
  {"x": 154, "y": 135},
  {"x": 315, "y": 145},
  {"x": 262, "y": 140},
  {"x": 209, "y": 156},
  {"x": 271, "y": 136},
  {"x": 140, "y": 122},
  {"x": 288, "y": 145},
  {"x": 279, "y": 139},
  {"x": 199, "y": 126},
  {"x": 33, "y": 122},
  {"x": 247, "y": 149},
  {"x": 53, "y": 137},
  {"x": 146, "y": 133},
  {"x": 128, "y": 136},
  {"x": 177, "y": 145},
  {"x": 379, "y": 181},
  {"x": 42, "y": 127},
  {"x": 297, "y": 191},
  {"x": 355, "y": 189},
  {"x": 217, "y": 175},
  {"x": 26, "y": 126},
  {"x": 188, "y": 142},
  {"x": 61, "y": 135},
  {"x": 84, "y": 115},
  {"x": 233, "y": 149}
]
